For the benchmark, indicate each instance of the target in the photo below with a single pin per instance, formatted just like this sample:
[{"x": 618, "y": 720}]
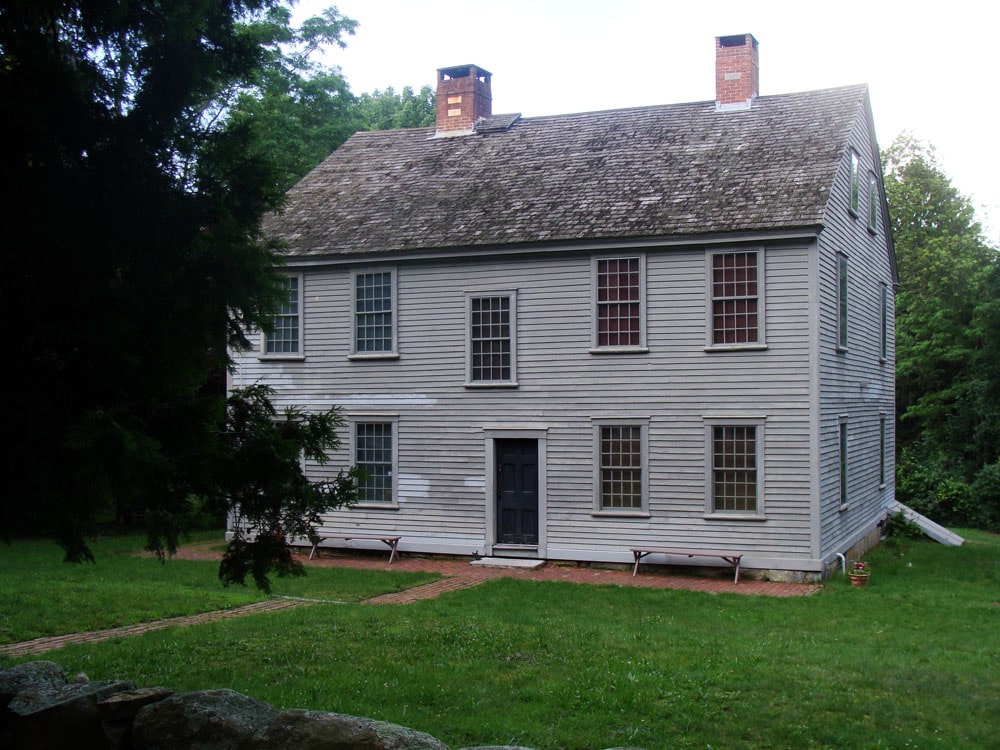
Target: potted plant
[{"x": 859, "y": 573}]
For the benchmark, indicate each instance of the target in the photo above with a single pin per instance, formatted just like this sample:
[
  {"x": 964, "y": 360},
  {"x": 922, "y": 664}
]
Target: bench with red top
[
  {"x": 733, "y": 559},
  {"x": 391, "y": 541}
]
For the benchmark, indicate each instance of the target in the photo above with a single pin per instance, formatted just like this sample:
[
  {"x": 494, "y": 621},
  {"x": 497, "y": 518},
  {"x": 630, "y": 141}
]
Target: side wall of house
[
  {"x": 443, "y": 428},
  {"x": 856, "y": 391}
]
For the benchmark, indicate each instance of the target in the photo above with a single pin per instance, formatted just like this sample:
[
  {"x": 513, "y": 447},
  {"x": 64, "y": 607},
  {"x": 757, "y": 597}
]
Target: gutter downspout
[{"x": 843, "y": 562}]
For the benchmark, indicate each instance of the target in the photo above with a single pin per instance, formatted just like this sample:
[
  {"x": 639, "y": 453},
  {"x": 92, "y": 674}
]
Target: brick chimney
[
  {"x": 463, "y": 96},
  {"x": 737, "y": 71}
]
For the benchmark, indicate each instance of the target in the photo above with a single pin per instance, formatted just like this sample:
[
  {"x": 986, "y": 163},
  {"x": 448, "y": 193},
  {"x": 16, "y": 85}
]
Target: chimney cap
[{"x": 463, "y": 71}]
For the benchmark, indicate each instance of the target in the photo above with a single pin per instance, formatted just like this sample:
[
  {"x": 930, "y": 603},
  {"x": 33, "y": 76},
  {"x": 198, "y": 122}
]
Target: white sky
[{"x": 932, "y": 68}]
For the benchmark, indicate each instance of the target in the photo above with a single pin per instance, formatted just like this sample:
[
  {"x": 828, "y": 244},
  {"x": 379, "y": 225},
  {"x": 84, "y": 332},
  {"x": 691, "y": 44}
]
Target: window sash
[
  {"x": 734, "y": 469},
  {"x": 373, "y": 453},
  {"x": 855, "y": 186},
  {"x": 884, "y": 337},
  {"x": 619, "y": 302},
  {"x": 842, "y": 279},
  {"x": 284, "y": 335},
  {"x": 842, "y": 449},
  {"x": 621, "y": 469},
  {"x": 881, "y": 451},
  {"x": 491, "y": 339},
  {"x": 872, "y": 202},
  {"x": 735, "y": 298},
  {"x": 373, "y": 303}
]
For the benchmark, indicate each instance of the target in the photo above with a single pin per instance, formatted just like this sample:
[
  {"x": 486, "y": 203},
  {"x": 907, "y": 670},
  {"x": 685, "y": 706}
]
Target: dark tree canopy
[
  {"x": 947, "y": 368},
  {"x": 132, "y": 260}
]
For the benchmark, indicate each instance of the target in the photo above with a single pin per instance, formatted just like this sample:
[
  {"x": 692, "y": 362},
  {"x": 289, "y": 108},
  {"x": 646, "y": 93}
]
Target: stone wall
[{"x": 41, "y": 709}]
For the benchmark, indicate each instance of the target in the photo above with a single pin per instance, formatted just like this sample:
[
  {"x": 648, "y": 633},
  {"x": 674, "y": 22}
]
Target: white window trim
[
  {"x": 761, "y": 343},
  {"x": 643, "y": 424},
  {"x": 511, "y": 294},
  {"x": 353, "y": 420},
  {"x": 758, "y": 421},
  {"x": 843, "y": 301},
  {"x": 355, "y": 355},
  {"x": 299, "y": 355},
  {"x": 854, "y": 187},
  {"x": 872, "y": 203},
  {"x": 595, "y": 348}
]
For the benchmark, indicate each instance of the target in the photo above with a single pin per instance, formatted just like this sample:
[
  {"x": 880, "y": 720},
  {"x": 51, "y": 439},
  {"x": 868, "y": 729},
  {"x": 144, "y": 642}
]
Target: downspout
[{"x": 843, "y": 562}]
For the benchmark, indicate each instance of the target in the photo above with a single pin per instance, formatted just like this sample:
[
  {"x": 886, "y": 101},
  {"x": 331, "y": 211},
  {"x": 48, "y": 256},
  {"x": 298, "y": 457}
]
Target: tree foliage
[
  {"x": 948, "y": 365},
  {"x": 387, "y": 110},
  {"x": 132, "y": 259}
]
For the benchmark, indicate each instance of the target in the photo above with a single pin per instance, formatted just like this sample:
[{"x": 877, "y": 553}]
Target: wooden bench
[
  {"x": 733, "y": 559},
  {"x": 391, "y": 541}
]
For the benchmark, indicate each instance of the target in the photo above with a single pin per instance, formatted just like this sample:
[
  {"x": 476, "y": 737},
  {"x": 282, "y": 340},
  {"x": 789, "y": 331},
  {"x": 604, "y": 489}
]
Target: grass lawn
[
  {"x": 41, "y": 596},
  {"x": 913, "y": 660}
]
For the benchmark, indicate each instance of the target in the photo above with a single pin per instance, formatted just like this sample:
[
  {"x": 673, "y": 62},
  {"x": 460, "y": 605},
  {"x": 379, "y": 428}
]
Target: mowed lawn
[{"x": 913, "y": 660}]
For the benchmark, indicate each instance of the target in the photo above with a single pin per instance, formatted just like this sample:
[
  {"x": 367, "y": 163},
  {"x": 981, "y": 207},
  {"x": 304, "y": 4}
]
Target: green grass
[
  {"x": 40, "y": 595},
  {"x": 913, "y": 660}
]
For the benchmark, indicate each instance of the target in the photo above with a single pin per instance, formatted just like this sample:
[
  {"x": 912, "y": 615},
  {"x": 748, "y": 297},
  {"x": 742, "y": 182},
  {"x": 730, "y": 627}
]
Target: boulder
[
  {"x": 215, "y": 719},
  {"x": 322, "y": 730},
  {"x": 34, "y": 677}
]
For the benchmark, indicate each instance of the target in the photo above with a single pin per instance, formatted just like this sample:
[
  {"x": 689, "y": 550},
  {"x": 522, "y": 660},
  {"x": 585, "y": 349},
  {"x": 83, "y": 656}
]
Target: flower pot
[{"x": 859, "y": 579}]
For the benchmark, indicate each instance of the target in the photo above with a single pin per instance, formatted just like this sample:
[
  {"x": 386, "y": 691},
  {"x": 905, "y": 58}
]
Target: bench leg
[
  {"x": 312, "y": 552},
  {"x": 638, "y": 556},
  {"x": 393, "y": 552}
]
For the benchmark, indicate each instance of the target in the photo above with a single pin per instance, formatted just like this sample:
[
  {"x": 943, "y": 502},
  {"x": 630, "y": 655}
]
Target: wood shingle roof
[{"x": 660, "y": 171}]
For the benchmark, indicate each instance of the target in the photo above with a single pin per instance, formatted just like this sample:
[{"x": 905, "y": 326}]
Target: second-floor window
[
  {"x": 736, "y": 299},
  {"x": 855, "y": 184},
  {"x": 491, "y": 338},
  {"x": 619, "y": 292},
  {"x": 872, "y": 203},
  {"x": 842, "y": 279},
  {"x": 374, "y": 300},
  {"x": 285, "y": 338}
]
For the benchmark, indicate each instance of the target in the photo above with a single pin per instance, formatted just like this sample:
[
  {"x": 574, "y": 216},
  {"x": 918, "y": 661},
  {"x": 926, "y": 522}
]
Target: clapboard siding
[
  {"x": 563, "y": 386},
  {"x": 855, "y": 385}
]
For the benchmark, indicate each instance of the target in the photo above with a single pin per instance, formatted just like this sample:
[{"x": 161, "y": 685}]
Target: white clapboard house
[{"x": 565, "y": 337}]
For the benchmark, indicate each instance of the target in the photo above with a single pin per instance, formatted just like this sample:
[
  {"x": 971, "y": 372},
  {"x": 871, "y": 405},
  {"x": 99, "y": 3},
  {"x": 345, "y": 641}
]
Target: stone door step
[{"x": 509, "y": 562}]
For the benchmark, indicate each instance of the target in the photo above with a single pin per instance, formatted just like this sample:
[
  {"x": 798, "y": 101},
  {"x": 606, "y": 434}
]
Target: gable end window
[
  {"x": 492, "y": 339},
  {"x": 842, "y": 279},
  {"x": 619, "y": 292},
  {"x": 872, "y": 203},
  {"x": 855, "y": 184},
  {"x": 736, "y": 299},
  {"x": 374, "y": 452},
  {"x": 374, "y": 302},
  {"x": 620, "y": 462},
  {"x": 285, "y": 338}
]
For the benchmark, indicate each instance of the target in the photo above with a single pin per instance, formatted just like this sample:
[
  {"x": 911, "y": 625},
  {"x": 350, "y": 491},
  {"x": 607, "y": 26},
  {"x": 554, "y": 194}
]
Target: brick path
[{"x": 456, "y": 574}]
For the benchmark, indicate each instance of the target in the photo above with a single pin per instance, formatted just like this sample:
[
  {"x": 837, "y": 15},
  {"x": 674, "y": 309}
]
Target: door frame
[{"x": 491, "y": 434}]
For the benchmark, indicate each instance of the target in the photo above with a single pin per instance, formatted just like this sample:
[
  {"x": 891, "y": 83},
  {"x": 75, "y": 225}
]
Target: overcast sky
[{"x": 932, "y": 68}]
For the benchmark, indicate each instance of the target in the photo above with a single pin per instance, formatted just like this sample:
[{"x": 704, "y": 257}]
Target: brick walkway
[{"x": 456, "y": 574}]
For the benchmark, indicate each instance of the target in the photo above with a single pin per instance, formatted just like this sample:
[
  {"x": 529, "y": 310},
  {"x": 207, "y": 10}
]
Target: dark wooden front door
[{"x": 517, "y": 491}]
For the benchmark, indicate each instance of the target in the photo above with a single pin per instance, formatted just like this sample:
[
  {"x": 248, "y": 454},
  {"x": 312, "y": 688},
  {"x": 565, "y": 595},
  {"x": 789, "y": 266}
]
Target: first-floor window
[
  {"x": 842, "y": 455},
  {"x": 621, "y": 484},
  {"x": 881, "y": 449},
  {"x": 286, "y": 327},
  {"x": 735, "y": 468},
  {"x": 373, "y": 453}
]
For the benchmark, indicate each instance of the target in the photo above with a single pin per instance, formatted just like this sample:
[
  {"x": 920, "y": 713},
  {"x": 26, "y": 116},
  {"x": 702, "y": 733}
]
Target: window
[
  {"x": 620, "y": 290},
  {"x": 621, "y": 451},
  {"x": 374, "y": 299},
  {"x": 881, "y": 450},
  {"x": 285, "y": 338},
  {"x": 884, "y": 333},
  {"x": 855, "y": 184},
  {"x": 491, "y": 347},
  {"x": 735, "y": 467},
  {"x": 736, "y": 299},
  {"x": 872, "y": 203},
  {"x": 842, "y": 453},
  {"x": 375, "y": 453},
  {"x": 842, "y": 301}
]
